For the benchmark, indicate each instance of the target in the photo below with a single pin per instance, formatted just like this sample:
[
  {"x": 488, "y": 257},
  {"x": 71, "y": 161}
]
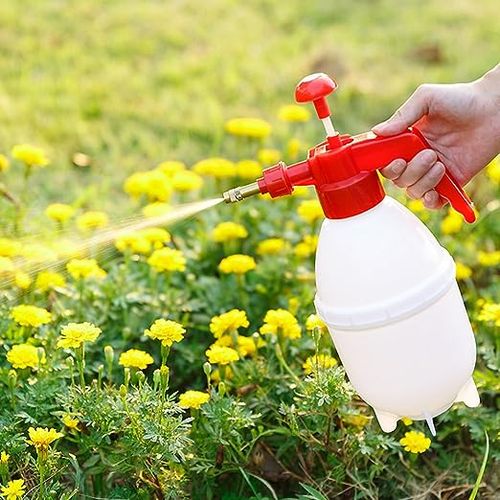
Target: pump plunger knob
[{"x": 314, "y": 88}]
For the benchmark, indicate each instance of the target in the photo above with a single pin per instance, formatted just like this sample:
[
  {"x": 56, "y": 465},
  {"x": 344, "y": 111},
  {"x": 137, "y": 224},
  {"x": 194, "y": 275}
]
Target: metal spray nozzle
[{"x": 241, "y": 192}]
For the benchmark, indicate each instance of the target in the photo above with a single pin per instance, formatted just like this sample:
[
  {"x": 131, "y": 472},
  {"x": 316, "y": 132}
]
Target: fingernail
[
  {"x": 399, "y": 167},
  {"x": 429, "y": 196},
  {"x": 429, "y": 155}
]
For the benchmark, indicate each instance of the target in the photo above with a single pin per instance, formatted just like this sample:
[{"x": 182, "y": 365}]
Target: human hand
[{"x": 461, "y": 122}]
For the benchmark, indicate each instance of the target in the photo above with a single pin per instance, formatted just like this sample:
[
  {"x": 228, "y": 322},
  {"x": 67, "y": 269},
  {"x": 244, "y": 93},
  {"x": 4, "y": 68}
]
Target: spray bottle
[{"x": 385, "y": 287}]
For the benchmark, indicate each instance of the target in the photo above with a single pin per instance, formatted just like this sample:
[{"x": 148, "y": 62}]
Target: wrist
[{"x": 490, "y": 82}]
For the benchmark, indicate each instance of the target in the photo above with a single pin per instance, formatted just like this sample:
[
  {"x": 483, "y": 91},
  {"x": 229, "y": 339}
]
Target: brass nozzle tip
[{"x": 241, "y": 192}]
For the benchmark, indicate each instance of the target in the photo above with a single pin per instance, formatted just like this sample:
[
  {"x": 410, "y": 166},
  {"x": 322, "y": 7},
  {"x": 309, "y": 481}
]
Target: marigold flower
[
  {"x": 248, "y": 169},
  {"x": 14, "y": 490},
  {"x": 59, "y": 212},
  {"x": 187, "y": 181},
  {"x": 452, "y": 223},
  {"x": 268, "y": 156},
  {"x": 462, "y": 272},
  {"x": 31, "y": 156},
  {"x": 237, "y": 264},
  {"x": 492, "y": 170},
  {"x": 271, "y": 246},
  {"x": 294, "y": 113},
  {"x": 489, "y": 259},
  {"x": 4, "y": 163},
  {"x": 135, "y": 358},
  {"x": 41, "y": 438},
  {"x": 313, "y": 322},
  {"x": 92, "y": 220},
  {"x": 358, "y": 420},
  {"x": 227, "y": 231},
  {"x": 171, "y": 167},
  {"x": 167, "y": 259},
  {"x": 73, "y": 335},
  {"x": 134, "y": 242},
  {"x": 70, "y": 422},
  {"x": 166, "y": 331},
  {"x": 157, "y": 236},
  {"x": 293, "y": 147},
  {"x": 85, "y": 268},
  {"x": 4, "y": 458},
  {"x": 407, "y": 421},
  {"x": 228, "y": 322},
  {"x": 48, "y": 280},
  {"x": 23, "y": 356},
  {"x": 415, "y": 442},
  {"x": 416, "y": 206},
  {"x": 215, "y": 167},
  {"x": 281, "y": 322},
  {"x": 156, "y": 209},
  {"x": 306, "y": 247},
  {"x": 220, "y": 355},
  {"x": 318, "y": 362},
  {"x": 310, "y": 210},
  {"x": 9, "y": 248},
  {"x": 26, "y": 315},
  {"x": 154, "y": 184},
  {"x": 38, "y": 253},
  {"x": 22, "y": 280},
  {"x": 254, "y": 128},
  {"x": 245, "y": 346},
  {"x": 490, "y": 313},
  {"x": 193, "y": 399},
  {"x": 6, "y": 265}
]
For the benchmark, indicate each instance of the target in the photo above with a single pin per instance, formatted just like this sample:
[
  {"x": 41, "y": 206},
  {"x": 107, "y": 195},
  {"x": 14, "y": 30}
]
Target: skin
[{"x": 460, "y": 121}]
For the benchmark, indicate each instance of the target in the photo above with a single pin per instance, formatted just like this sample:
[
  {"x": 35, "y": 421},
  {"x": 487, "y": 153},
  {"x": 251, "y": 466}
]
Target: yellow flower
[
  {"x": 25, "y": 315},
  {"x": 156, "y": 209},
  {"x": 135, "y": 242},
  {"x": 271, "y": 246},
  {"x": 281, "y": 322},
  {"x": 38, "y": 253},
  {"x": 135, "y": 358},
  {"x": 315, "y": 322},
  {"x": 407, "y": 421},
  {"x": 154, "y": 184},
  {"x": 358, "y": 420},
  {"x": 492, "y": 170},
  {"x": 171, "y": 167},
  {"x": 415, "y": 442},
  {"x": 48, "y": 280},
  {"x": 489, "y": 259},
  {"x": 92, "y": 220},
  {"x": 4, "y": 458},
  {"x": 31, "y": 156},
  {"x": 85, "y": 268},
  {"x": 318, "y": 362},
  {"x": 228, "y": 322},
  {"x": 310, "y": 210},
  {"x": 75, "y": 334},
  {"x": 307, "y": 246},
  {"x": 418, "y": 208},
  {"x": 187, "y": 181},
  {"x": 227, "y": 231},
  {"x": 167, "y": 259},
  {"x": 23, "y": 356},
  {"x": 166, "y": 331},
  {"x": 269, "y": 156},
  {"x": 4, "y": 163},
  {"x": 59, "y": 212},
  {"x": 254, "y": 128},
  {"x": 9, "y": 248},
  {"x": 6, "y": 266},
  {"x": 219, "y": 355},
  {"x": 70, "y": 422},
  {"x": 293, "y": 148},
  {"x": 42, "y": 438},
  {"x": 462, "y": 271},
  {"x": 294, "y": 113},
  {"x": 215, "y": 167},
  {"x": 248, "y": 169},
  {"x": 193, "y": 399},
  {"x": 237, "y": 264},
  {"x": 14, "y": 490},
  {"x": 452, "y": 223},
  {"x": 157, "y": 236},
  {"x": 22, "y": 280},
  {"x": 490, "y": 313},
  {"x": 245, "y": 346}
]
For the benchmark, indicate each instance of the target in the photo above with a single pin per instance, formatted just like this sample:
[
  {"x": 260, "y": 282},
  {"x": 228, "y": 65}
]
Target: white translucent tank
[{"x": 386, "y": 289}]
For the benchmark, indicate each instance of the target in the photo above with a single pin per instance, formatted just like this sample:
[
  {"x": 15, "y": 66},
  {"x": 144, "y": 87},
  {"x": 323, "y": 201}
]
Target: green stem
[
  {"x": 283, "y": 363},
  {"x": 80, "y": 358}
]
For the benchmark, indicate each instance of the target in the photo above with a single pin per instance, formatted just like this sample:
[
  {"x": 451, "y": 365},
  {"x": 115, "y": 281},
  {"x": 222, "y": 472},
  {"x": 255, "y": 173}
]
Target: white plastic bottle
[{"x": 386, "y": 289}]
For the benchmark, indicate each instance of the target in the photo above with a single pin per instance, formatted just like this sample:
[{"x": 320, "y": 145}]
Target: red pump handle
[
  {"x": 371, "y": 154},
  {"x": 314, "y": 88}
]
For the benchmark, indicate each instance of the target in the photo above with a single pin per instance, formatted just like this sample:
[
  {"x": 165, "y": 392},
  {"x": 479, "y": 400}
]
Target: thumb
[{"x": 407, "y": 115}]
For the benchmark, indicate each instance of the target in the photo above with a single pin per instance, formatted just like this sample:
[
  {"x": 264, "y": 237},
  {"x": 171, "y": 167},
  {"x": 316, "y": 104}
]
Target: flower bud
[
  {"x": 156, "y": 379},
  {"x": 123, "y": 391},
  {"x": 222, "y": 388},
  {"x": 12, "y": 379},
  {"x": 109, "y": 354},
  {"x": 207, "y": 368},
  {"x": 140, "y": 377}
]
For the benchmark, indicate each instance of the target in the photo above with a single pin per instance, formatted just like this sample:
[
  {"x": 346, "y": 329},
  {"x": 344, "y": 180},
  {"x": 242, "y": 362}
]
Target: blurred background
[{"x": 130, "y": 84}]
